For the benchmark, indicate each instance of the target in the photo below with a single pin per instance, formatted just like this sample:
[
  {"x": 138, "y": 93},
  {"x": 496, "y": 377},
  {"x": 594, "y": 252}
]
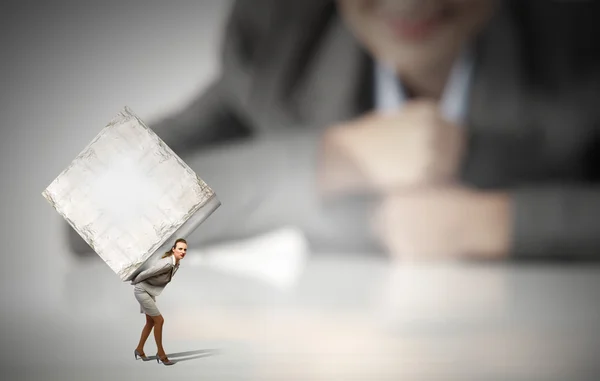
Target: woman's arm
[{"x": 159, "y": 267}]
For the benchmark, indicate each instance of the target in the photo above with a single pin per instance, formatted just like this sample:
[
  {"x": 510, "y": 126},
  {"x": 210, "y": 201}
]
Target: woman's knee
[
  {"x": 158, "y": 320},
  {"x": 149, "y": 321}
]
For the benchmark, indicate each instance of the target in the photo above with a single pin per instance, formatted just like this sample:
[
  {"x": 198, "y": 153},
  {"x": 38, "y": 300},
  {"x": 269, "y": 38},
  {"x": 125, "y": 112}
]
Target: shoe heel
[
  {"x": 168, "y": 362},
  {"x": 137, "y": 355}
]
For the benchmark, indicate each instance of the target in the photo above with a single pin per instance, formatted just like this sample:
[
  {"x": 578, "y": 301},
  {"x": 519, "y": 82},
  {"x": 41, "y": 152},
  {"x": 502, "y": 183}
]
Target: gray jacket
[
  {"x": 155, "y": 279},
  {"x": 290, "y": 69}
]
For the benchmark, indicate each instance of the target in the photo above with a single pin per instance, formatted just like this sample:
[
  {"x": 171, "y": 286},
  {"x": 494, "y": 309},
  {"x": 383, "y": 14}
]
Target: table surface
[{"x": 344, "y": 318}]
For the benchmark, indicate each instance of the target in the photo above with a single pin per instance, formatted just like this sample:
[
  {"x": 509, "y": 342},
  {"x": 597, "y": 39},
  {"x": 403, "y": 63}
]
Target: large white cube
[{"x": 128, "y": 195}]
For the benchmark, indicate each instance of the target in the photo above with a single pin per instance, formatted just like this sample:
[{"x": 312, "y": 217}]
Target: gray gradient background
[{"x": 69, "y": 67}]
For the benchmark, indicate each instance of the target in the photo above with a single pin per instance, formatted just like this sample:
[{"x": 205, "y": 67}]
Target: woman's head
[{"x": 179, "y": 249}]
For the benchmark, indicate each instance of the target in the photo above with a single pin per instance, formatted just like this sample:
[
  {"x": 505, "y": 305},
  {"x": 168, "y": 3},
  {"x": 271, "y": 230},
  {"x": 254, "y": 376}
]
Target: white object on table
[{"x": 276, "y": 258}]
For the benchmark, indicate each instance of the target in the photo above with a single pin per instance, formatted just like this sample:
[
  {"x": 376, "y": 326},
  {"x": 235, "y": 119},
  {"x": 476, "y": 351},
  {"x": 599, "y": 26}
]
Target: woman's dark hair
[{"x": 170, "y": 252}]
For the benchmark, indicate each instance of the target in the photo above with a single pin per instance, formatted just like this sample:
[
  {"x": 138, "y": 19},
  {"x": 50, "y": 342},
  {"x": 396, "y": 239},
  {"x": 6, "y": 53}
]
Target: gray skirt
[{"x": 147, "y": 302}]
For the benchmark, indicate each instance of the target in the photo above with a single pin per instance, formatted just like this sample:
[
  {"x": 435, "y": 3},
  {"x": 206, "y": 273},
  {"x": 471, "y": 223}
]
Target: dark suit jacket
[{"x": 290, "y": 69}]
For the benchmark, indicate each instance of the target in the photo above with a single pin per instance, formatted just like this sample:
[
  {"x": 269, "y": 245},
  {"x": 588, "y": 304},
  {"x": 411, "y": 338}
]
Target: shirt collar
[
  {"x": 175, "y": 266},
  {"x": 390, "y": 95}
]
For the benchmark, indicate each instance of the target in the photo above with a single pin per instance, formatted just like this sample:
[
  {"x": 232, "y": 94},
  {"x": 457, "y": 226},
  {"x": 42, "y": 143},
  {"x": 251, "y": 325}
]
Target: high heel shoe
[
  {"x": 167, "y": 362},
  {"x": 138, "y": 354}
]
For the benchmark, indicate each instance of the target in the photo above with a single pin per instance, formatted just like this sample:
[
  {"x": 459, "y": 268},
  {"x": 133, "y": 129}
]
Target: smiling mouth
[{"x": 412, "y": 27}]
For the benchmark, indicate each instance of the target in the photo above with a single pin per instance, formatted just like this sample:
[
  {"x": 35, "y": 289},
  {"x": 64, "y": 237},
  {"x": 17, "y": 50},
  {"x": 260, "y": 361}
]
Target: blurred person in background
[{"x": 422, "y": 128}]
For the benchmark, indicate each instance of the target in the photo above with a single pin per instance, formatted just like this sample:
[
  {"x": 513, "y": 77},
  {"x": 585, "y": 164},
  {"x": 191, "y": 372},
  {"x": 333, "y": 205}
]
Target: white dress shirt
[{"x": 390, "y": 95}]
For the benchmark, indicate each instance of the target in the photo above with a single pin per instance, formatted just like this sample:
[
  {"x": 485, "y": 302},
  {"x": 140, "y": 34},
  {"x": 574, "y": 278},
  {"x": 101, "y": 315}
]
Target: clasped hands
[{"x": 411, "y": 158}]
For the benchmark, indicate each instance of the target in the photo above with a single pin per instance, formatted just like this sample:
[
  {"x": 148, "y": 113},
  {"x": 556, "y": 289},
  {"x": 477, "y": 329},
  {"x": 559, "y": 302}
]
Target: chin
[{"x": 414, "y": 55}]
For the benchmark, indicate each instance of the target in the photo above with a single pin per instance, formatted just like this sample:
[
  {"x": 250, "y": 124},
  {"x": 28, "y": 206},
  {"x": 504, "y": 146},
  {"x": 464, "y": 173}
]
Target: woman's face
[
  {"x": 180, "y": 250},
  {"x": 409, "y": 33}
]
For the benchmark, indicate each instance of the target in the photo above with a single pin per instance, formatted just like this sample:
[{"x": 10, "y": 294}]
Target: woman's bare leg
[
  {"x": 158, "y": 326},
  {"x": 145, "y": 333}
]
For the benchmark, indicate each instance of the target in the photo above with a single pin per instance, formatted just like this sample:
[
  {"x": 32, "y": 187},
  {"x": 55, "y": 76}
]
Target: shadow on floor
[{"x": 177, "y": 357}]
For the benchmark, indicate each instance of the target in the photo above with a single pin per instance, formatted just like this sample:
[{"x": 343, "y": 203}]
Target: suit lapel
[
  {"x": 498, "y": 118},
  {"x": 496, "y": 97},
  {"x": 337, "y": 85}
]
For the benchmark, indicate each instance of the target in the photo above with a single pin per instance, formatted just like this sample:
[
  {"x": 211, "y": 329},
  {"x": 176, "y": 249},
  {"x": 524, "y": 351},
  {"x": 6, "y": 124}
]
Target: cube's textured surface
[{"x": 128, "y": 194}]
